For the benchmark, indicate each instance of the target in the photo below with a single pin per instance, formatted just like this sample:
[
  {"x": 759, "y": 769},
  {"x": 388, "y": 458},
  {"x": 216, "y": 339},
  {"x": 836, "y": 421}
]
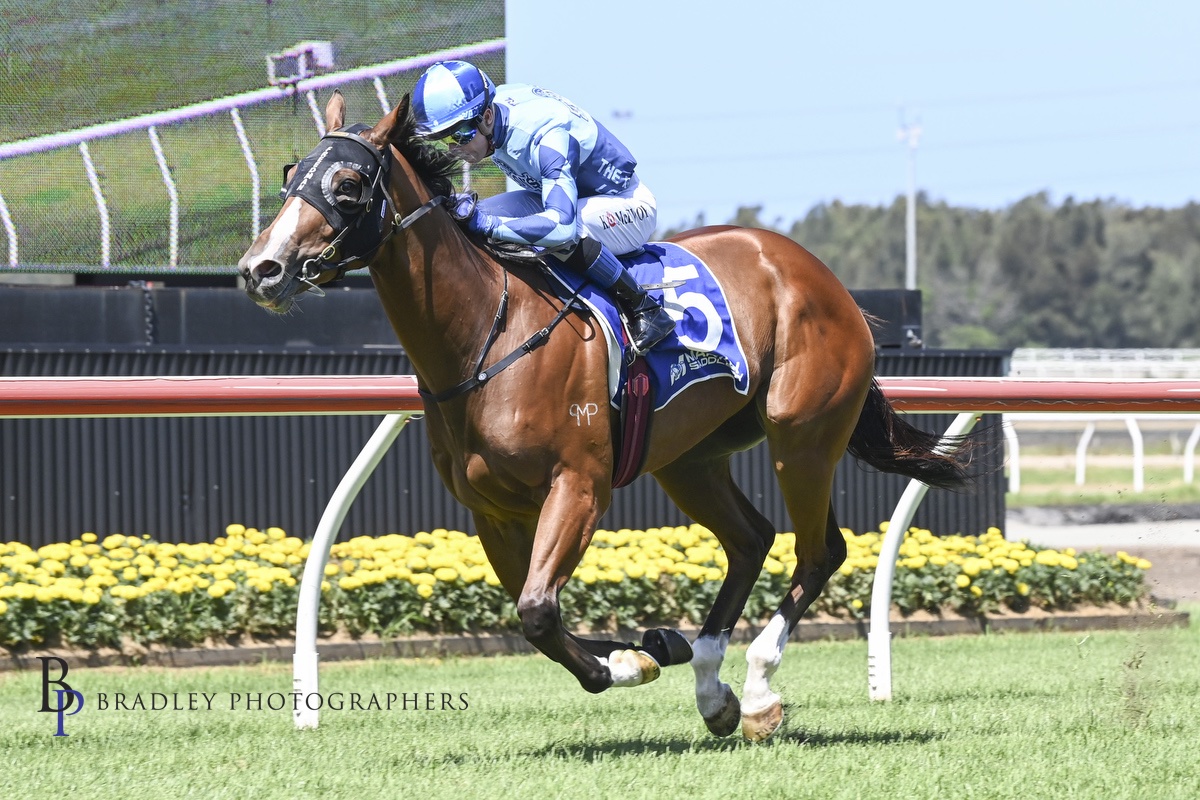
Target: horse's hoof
[
  {"x": 725, "y": 721},
  {"x": 632, "y": 667},
  {"x": 667, "y": 646},
  {"x": 759, "y": 725}
]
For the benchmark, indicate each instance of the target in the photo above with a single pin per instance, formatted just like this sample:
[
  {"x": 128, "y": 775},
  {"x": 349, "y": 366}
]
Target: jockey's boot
[{"x": 649, "y": 322}]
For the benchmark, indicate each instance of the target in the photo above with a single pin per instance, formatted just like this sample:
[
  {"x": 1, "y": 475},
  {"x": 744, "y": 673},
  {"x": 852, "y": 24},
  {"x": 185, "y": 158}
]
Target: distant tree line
[{"x": 1035, "y": 274}]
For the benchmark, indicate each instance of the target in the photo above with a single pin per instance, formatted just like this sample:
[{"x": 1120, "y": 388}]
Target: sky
[{"x": 787, "y": 105}]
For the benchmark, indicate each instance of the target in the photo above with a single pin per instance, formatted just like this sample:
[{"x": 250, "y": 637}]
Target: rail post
[
  {"x": 304, "y": 659},
  {"x": 879, "y": 637}
]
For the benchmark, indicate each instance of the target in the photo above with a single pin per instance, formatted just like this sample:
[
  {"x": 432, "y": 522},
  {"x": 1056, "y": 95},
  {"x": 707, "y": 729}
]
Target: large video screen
[{"x": 143, "y": 136}]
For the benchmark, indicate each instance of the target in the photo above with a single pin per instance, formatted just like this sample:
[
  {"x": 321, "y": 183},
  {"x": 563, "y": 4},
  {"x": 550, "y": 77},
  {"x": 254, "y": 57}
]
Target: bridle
[{"x": 353, "y": 215}]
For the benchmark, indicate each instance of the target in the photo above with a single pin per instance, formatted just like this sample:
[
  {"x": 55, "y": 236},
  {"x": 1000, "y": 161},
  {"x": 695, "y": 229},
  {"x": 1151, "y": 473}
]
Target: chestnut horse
[{"x": 536, "y": 480}]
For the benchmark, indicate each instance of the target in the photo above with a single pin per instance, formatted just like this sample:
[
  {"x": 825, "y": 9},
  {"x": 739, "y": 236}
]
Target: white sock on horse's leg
[
  {"x": 631, "y": 667},
  {"x": 763, "y": 658},
  {"x": 708, "y": 652}
]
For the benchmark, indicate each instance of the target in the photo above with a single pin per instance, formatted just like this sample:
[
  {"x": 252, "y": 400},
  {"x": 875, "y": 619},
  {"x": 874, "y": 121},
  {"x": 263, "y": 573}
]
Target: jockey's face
[{"x": 480, "y": 146}]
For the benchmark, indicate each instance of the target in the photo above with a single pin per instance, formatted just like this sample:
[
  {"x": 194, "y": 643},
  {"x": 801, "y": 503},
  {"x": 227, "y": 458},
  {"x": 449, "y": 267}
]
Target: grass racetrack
[{"x": 1101, "y": 715}]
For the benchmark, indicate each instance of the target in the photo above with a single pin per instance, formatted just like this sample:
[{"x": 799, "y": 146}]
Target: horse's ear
[
  {"x": 335, "y": 112},
  {"x": 389, "y": 129}
]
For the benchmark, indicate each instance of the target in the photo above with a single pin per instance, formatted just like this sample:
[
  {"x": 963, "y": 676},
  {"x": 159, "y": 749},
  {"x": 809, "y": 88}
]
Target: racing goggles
[{"x": 460, "y": 134}]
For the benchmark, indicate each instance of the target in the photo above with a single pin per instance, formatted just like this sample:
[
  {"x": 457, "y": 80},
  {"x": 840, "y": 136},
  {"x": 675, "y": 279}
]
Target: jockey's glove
[{"x": 464, "y": 207}]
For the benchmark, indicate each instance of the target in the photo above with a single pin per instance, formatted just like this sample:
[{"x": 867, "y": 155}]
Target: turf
[
  {"x": 1102, "y": 715},
  {"x": 1110, "y": 485}
]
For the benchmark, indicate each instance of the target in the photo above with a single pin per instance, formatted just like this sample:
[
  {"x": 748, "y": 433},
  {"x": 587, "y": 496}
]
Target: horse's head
[{"x": 335, "y": 210}]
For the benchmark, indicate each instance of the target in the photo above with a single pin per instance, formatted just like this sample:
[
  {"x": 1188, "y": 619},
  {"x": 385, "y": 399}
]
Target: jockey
[{"x": 580, "y": 198}]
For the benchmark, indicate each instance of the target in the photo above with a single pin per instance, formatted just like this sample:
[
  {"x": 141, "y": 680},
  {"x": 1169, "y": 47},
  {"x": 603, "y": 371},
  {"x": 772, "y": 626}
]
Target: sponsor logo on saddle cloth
[{"x": 705, "y": 343}]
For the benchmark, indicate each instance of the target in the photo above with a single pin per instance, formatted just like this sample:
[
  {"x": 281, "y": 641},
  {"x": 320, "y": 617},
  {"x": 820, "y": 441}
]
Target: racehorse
[{"x": 536, "y": 480}]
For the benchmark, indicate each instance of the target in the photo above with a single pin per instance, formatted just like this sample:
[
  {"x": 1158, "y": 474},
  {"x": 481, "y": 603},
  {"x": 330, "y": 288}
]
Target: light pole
[{"x": 910, "y": 133}]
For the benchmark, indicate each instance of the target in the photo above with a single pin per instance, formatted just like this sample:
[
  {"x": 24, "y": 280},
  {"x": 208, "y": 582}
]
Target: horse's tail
[{"x": 885, "y": 441}]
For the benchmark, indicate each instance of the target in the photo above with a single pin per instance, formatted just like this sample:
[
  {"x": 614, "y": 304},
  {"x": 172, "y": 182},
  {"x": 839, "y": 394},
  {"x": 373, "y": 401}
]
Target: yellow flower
[
  {"x": 88, "y": 537},
  {"x": 856, "y": 604},
  {"x": 1022, "y": 589},
  {"x": 1049, "y": 558},
  {"x": 425, "y": 590},
  {"x": 1142, "y": 564},
  {"x": 446, "y": 574},
  {"x": 975, "y": 590},
  {"x": 962, "y": 581},
  {"x": 3, "y": 606}
]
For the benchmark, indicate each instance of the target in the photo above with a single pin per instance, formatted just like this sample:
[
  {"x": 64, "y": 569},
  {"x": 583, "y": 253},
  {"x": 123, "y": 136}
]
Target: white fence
[{"x": 1132, "y": 426}]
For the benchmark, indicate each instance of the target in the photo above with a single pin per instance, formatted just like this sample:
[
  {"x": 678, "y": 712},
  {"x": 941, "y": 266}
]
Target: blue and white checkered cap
[{"x": 448, "y": 93}]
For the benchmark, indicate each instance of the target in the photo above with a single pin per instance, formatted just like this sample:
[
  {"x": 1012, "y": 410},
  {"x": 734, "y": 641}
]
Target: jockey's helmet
[{"x": 448, "y": 93}]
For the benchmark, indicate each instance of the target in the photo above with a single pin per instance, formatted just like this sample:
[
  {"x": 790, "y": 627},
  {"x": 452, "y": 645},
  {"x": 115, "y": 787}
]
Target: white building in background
[{"x": 1052, "y": 362}]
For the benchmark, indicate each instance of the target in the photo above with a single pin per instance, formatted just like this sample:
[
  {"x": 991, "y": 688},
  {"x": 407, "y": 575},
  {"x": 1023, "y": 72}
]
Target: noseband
[{"x": 348, "y": 218}]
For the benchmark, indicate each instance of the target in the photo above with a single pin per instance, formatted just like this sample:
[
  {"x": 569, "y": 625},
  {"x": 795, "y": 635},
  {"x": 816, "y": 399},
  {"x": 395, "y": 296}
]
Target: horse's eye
[{"x": 347, "y": 194}]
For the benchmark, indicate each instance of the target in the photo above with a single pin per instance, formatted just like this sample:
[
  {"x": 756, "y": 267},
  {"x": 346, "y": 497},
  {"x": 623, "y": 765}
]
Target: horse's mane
[{"x": 432, "y": 164}]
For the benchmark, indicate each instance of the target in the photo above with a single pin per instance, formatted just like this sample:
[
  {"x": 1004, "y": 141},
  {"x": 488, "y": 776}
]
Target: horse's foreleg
[
  {"x": 567, "y": 522},
  {"x": 508, "y": 546}
]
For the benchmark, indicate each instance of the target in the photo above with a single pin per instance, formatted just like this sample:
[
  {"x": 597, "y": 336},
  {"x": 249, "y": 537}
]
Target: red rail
[
  {"x": 207, "y": 396},
  {"x": 1041, "y": 394},
  {"x": 377, "y": 394}
]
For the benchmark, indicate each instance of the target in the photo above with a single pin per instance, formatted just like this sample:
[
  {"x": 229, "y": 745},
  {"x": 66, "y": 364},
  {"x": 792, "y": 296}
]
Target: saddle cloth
[{"x": 705, "y": 343}]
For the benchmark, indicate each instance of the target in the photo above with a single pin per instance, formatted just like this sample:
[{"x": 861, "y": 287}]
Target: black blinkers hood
[{"x": 312, "y": 179}]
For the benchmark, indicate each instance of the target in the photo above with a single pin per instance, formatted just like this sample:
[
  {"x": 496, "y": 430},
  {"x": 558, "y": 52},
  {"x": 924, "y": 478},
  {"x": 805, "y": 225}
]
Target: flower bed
[{"x": 93, "y": 593}]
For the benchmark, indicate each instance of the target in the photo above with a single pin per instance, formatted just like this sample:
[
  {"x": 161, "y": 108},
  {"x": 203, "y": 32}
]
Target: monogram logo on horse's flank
[{"x": 581, "y": 412}]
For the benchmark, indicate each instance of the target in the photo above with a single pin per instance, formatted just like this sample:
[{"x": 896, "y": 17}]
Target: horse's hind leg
[
  {"x": 806, "y": 478},
  {"x": 706, "y": 492}
]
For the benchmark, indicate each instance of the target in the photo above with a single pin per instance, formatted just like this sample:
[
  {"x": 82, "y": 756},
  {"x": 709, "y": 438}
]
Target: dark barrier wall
[{"x": 186, "y": 479}]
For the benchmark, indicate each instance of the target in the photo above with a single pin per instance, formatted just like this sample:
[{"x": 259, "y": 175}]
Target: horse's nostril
[{"x": 265, "y": 270}]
